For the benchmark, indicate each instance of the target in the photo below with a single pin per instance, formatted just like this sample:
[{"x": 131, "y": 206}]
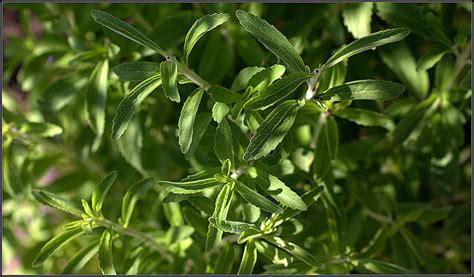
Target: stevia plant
[{"x": 265, "y": 154}]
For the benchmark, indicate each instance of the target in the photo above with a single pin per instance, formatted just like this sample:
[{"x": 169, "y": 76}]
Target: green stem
[{"x": 191, "y": 75}]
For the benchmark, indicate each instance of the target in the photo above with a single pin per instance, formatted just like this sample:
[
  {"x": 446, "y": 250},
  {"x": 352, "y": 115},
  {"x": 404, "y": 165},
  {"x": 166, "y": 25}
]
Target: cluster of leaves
[{"x": 276, "y": 181}]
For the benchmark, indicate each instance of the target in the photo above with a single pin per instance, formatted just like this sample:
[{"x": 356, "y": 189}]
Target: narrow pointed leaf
[
  {"x": 200, "y": 28},
  {"x": 326, "y": 147},
  {"x": 188, "y": 187},
  {"x": 295, "y": 250},
  {"x": 81, "y": 258},
  {"x": 224, "y": 95},
  {"x": 131, "y": 143},
  {"x": 187, "y": 118},
  {"x": 278, "y": 190},
  {"x": 242, "y": 79},
  {"x": 277, "y": 91},
  {"x": 272, "y": 39},
  {"x": 249, "y": 258},
  {"x": 101, "y": 190},
  {"x": 223, "y": 146},
  {"x": 136, "y": 71},
  {"x": 364, "y": 90},
  {"x": 169, "y": 77},
  {"x": 357, "y": 17},
  {"x": 366, "y": 43},
  {"x": 131, "y": 197},
  {"x": 263, "y": 79},
  {"x": 106, "y": 262},
  {"x": 381, "y": 267},
  {"x": 124, "y": 29},
  {"x": 55, "y": 243},
  {"x": 272, "y": 130},
  {"x": 96, "y": 99},
  {"x": 201, "y": 123},
  {"x": 365, "y": 117},
  {"x": 257, "y": 199},
  {"x": 57, "y": 202},
  {"x": 228, "y": 226},
  {"x": 248, "y": 234},
  {"x": 431, "y": 57},
  {"x": 214, "y": 235},
  {"x": 127, "y": 107}
]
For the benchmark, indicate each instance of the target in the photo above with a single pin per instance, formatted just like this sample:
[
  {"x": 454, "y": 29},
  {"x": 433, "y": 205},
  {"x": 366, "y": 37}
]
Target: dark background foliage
[{"x": 405, "y": 201}]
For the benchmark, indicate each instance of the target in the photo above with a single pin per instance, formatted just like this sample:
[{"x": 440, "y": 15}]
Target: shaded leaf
[
  {"x": 326, "y": 147},
  {"x": 169, "y": 77},
  {"x": 127, "y": 107},
  {"x": 55, "y": 243},
  {"x": 187, "y": 118},
  {"x": 249, "y": 258},
  {"x": 294, "y": 250},
  {"x": 101, "y": 190},
  {"x": 272, "y": 130},
  {"x": 136, "y": 71},
  {"x": 364, "y": 90},
  {"x": 188, "y": 187},
  {"x": 365, "y": 117},
  {"x": 262, "y": 79},
  {"x": 131, "y": 197},
  {"x": 366, "y": 43},
  {"x": 257, "y": 199},
  {"x": 224, "y": 95},
  {"x": 106, "y": 262},
  {"x": 277, "y": 91},
  {"x": 81, "y": 258},
  {"x": 223, "y": 146},
  {"x": 200, "y": 28},
  {"x": 272, "y": 39},
  {"x": 124, "y": 29}
]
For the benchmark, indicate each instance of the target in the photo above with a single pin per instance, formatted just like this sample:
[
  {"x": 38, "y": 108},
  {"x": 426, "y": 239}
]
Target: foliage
[{"x": 237, "y": 138}]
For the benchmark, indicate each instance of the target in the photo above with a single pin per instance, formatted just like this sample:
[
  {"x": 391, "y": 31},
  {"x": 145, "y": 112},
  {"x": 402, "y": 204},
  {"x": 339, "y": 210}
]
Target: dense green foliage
[{"x": 236, "y": 138}]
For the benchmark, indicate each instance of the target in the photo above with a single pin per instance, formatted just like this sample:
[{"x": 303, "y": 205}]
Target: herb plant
[{"x": 289, "y": 168}]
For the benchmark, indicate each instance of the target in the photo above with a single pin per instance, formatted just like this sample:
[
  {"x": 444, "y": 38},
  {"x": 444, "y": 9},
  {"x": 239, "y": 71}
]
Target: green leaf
[
  {"x": 257, "y": 199},
  {"x": 415, "y": 18},
  {"x": 326, "y": 147},
  {"x": 224, "y": 95},
  {"x": 249, "y": 258},
  {"x": 277, "y": 91},
  {"x": 188, "y": 187},
  {"x": 81, "y": 258},
  {"x": 124, "y": 29},
  {"x": 101, "y": 190},
  {"x": 57, "y": 202},
  {"x": 223, "y": 146},
  {"x": 41, "y": 129},
  {"x": 248, "y": 234},
  {"x": 55, "y": 243},
  {"x": 131, "y": 197},
  {"x": 96, "y": 100},
  {"x": 136, "y": 71},
  {"x": 262, "y": 79},
  {"x": 106, "y": 262},
  {"x": 365, "y": 117},
  {"x": 431, "y": 57},
  {"x": 333, "y": 76},
  {"x": 366, "y": 43},
  {"x": 242, "y": 79},
  {"x": 126, "y": 108},
  {"x": 225, "y": 260},
  {"x": 187, "y": 118},
  {"x": 381, "y": 267},
  {"x": 219, "y": 111},
  {"x": 200, "y": 28},
  {"x": 202, "y": 203},
  {"x": 309, "y": 198},
  {"x": 272, "y": 130},
  {"x": 278, "y": 190},
  {"x": 272, "y": 39},
  {"x": 130, "y": 145},
  {"x": 200, "y": 126},
  {"x": 223, "y": 201},
  {"x": 357, "y": 17},
  {"x": 400, "y": 60},
  {"x": 234, "y": 227},
  {"x": 294, "y": 250},
  {"x": 364, "y": 90},
  {"x": 169, "y": 77}
]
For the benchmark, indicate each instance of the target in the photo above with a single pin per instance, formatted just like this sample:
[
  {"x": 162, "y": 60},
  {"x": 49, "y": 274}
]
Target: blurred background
[{"x": 422, "y": 181}]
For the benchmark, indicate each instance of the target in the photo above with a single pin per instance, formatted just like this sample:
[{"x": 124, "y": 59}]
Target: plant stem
[
  {"x": 461, "y": 60},
  {"x": 191, "y": 75},
  {"x": 136, "y": 234}
]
